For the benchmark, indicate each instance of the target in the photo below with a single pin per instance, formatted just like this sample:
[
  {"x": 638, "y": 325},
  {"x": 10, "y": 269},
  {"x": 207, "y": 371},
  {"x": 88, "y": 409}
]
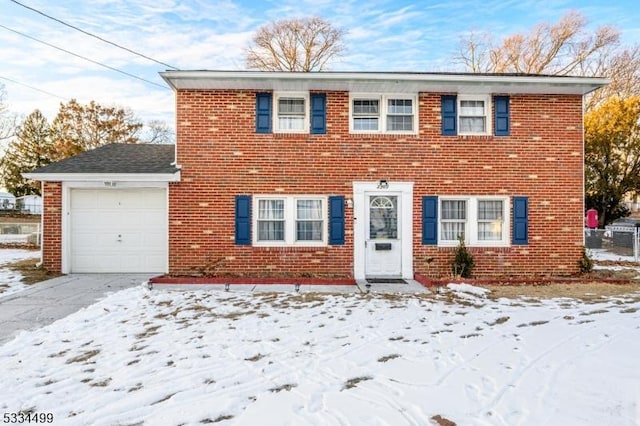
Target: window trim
[
  {"x": 488, "y": 115},
  {"x": 382, "y": 99},
  {"x": 276, "y": 111},
  {"x": 471, "y": 225},
  {"x": 290, "y": 219}
]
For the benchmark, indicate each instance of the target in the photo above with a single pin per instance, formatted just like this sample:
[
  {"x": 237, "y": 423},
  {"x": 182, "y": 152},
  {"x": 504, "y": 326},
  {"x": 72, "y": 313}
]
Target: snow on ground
[
  {"x": 11, "y": 281},
  {"x": 605, "y": 255},
  {"x": 602, "y": 255},
  {"x": 168, "y": 357}
]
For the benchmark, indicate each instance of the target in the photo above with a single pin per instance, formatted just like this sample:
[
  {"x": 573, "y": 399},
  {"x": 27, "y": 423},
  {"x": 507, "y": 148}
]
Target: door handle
[{"x": 119, "y": 239}]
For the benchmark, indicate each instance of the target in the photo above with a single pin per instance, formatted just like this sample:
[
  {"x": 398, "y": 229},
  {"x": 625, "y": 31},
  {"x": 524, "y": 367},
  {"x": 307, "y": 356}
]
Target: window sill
[
  {"x": 497, "y": 244},
  {"x": 290, "y": 249},
  {"x": 283, "y": 245},
  {"x": 356, "y": 132},
  {"x": 471, "y": 136}
]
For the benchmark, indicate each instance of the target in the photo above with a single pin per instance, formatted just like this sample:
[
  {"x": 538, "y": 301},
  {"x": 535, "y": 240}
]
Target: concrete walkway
[
  {"x": 48, "y": 301},
  {"x": 361, "y": 286},
  {"x": 51, "y": 300}
]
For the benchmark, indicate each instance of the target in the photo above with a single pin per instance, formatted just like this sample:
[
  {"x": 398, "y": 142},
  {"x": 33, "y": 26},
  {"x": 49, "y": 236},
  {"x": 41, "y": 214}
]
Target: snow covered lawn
[
  {"x": 11, "y": 281},
  {"x": 166, "y": 358}
]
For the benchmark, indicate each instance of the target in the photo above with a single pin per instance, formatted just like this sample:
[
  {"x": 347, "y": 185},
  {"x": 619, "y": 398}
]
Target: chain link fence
[
  {"x": 619, "y": 240},
  {"x": 20, "y": 234}
]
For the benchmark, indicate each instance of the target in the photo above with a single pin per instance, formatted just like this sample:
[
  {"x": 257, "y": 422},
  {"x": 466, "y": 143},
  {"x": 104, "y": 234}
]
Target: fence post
[{"x": 636, "y": 243}]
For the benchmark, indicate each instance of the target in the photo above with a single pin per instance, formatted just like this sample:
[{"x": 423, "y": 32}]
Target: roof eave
[
  {"x": 351, "y": 81},
  {"x": 104, "y": 177}
]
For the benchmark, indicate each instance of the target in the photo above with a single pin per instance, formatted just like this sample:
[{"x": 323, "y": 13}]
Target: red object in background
[{"x": 592, "y": 218}]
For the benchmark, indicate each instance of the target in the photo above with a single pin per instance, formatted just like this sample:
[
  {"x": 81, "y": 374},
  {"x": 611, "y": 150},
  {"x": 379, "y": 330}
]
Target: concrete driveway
[{"x": 48, "y": 301}]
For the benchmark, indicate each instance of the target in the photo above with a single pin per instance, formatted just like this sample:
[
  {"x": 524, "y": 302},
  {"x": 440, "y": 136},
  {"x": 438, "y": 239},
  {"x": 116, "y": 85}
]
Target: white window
[
  {"x": 271, "y": 220},
  {"x": 291, "y": 115},
  {"x": 309, "y": 220},
  {"x": 453, "y": 223},
  {"x": 480, "y": 221},
  {"x": 383, "y": 114},
  {"x": 366, "y": 115},
  {"x": 290, "y": 220},
  {"x": 490, "y": 220},
  {"x": 474, "y": 115},
  {"x": 399, "y": 115}
]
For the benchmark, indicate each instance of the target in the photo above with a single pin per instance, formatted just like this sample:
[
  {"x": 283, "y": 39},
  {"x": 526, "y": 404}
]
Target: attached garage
[
  {"x": 123, "y": 230},
  {"x": 106, "y": 210}
]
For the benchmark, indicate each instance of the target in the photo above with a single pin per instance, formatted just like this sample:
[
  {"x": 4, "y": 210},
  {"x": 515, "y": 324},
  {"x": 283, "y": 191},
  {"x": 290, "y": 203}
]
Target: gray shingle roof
[{"x": 118, "y": 158}]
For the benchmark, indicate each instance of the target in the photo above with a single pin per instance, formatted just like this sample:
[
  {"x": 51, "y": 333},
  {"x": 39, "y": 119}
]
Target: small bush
[
  {"x": 463, "y": 263},
  {"x": 585, "y": 263}
]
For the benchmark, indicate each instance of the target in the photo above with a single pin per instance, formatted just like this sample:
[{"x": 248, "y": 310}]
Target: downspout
[{"x": 39, "y": 264}]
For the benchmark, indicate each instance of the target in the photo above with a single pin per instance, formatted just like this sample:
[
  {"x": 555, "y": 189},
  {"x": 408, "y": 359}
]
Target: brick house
[{"x": 341, "y": 174}]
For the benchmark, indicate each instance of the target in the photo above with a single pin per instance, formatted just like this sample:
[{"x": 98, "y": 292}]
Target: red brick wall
[
  {"x": 52, "y": 226},
  {"x": 222, "y": 156}
]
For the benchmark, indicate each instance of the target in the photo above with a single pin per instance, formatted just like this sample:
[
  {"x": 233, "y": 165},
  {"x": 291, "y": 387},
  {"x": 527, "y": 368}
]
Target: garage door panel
[
  {"x": 155, "y": 262},
  {"x": 91, "y": 263},
  {"x": 154, "y": 239},
  {"x": 118, "y": 230},
  {"x": 83, "y": 199},
  {"x": 155, "y": 218},
  {"x": 95, "y": 242}
]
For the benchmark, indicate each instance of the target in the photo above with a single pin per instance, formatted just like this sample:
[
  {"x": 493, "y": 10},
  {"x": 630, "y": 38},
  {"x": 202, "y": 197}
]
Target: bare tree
[
  {"x": 563, "y": 48},
  {"x": 8, "y": 121},
  {"x": 157, "y": 131},
  {"x": 622, "y": 67},
  {"x": 302, "y": 44}
]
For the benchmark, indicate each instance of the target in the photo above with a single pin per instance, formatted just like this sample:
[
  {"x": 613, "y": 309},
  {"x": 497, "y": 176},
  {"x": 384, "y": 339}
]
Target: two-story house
[{"x": 334, "y": 174}]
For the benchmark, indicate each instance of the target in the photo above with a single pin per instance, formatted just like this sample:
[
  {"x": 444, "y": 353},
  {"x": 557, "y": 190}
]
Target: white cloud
[{"x": 200, "y": 34}]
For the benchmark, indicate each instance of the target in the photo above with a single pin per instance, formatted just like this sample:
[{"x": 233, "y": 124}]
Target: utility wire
[
  {"x": 83, "y": 57},
  {"x": 93, "y": 35},
  {"x": 32, "y": 88}
]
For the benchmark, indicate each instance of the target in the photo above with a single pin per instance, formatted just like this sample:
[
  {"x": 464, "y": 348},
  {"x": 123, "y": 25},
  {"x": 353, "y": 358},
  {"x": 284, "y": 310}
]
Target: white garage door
[{"x": 118, "y": 230}]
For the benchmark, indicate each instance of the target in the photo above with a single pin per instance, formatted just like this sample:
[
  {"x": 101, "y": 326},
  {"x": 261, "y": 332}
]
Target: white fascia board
[
  {"x": 104, "y": 177},
  {"x": 354, "y": 81}
]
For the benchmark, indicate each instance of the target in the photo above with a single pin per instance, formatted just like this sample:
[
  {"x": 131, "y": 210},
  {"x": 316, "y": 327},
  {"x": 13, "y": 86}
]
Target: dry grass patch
[
  {"x": 388, "y": 357},
  {"x": 30, "y": 272},
  {"x": 352, "y": 383},
  {"x": 442, "y": 421},
  {"x": 83, "y": 357},
  {"x": 584, "y": 291}
]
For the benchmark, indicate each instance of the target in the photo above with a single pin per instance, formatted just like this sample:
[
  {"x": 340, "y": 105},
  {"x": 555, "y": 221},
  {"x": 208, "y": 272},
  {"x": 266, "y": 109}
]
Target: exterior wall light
[{"x": 383, "y": 184}]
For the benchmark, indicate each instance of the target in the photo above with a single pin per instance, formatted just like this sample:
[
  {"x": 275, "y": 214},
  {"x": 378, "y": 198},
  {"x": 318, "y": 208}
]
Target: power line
[
  {"x": 93, "y": 35},
  {"x": 83, "y": 57},
  {"x": 32, "y": 88}
]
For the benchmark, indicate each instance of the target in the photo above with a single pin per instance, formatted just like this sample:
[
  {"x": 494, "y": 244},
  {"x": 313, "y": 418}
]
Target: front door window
[{"x": 383, "y": 217}]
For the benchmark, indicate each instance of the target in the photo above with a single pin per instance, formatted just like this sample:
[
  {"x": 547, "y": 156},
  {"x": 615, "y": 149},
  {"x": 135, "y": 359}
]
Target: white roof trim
[
  {"x": 382, "y": 81},
  {"x": 104, "y": 177}
]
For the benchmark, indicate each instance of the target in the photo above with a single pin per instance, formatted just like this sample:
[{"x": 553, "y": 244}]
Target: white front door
[
  {"x": 383, "y": 243},
  {"x": 382, "y": 230}
]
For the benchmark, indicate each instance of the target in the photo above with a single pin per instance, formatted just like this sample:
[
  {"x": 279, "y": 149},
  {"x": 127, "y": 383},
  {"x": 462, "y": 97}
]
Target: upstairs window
[
  {"x": 366, "y": 115},
  {"x": 291, "y": 113},
  {"x": 400, "y": 115},
  {"x": 473, "y": 117},
  {"x": 383, "y": 114}
]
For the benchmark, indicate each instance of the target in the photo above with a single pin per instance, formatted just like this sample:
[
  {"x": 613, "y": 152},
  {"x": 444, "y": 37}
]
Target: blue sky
[{"x": 382, "y": 35}]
